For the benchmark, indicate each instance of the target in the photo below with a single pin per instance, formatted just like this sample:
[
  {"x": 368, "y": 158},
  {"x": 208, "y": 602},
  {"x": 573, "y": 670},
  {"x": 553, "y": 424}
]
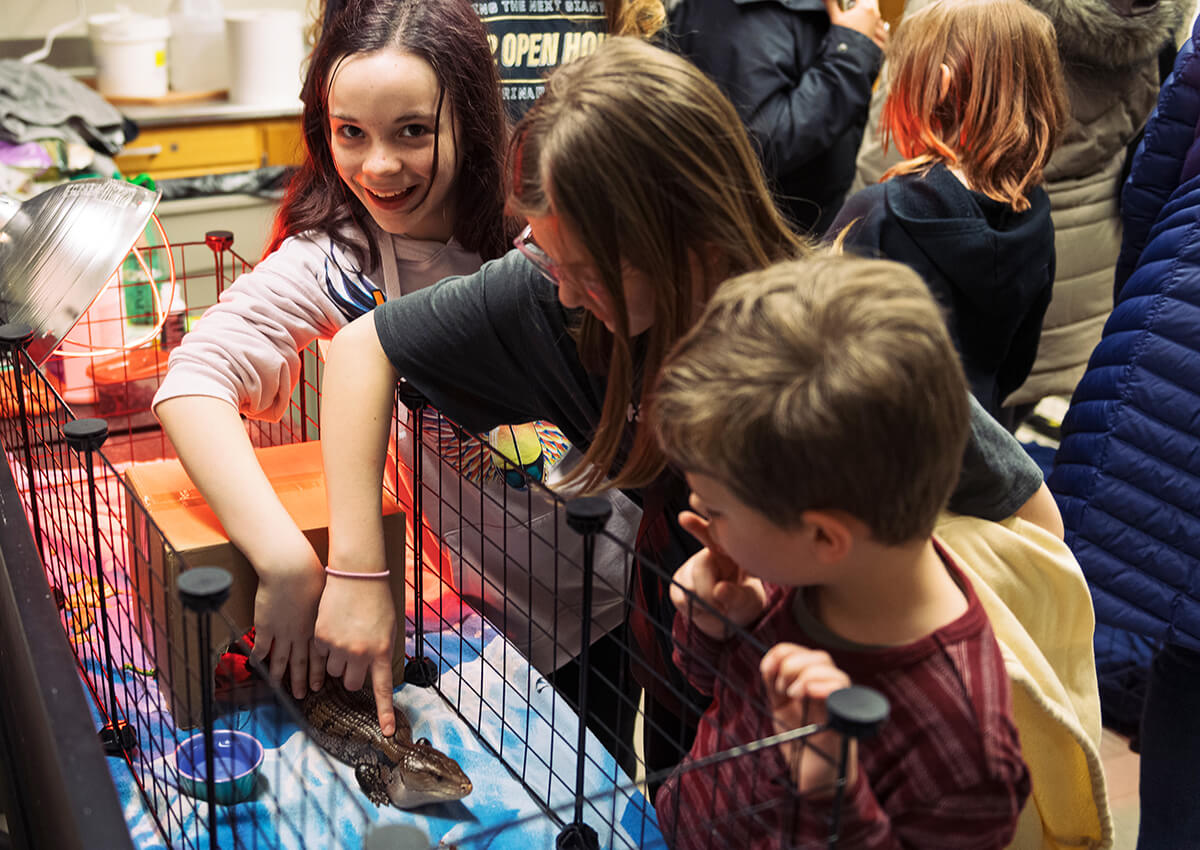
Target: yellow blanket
[{"x": 1040, "y": 609}]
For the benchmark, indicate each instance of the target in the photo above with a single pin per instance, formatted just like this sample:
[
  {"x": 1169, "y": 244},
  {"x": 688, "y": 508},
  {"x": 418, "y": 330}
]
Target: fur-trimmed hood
[{"x": 1096, "y": 32}]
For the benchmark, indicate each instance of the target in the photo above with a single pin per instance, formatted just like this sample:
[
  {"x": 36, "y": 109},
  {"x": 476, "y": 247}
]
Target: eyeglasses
[{"x": 533, "y": 251}]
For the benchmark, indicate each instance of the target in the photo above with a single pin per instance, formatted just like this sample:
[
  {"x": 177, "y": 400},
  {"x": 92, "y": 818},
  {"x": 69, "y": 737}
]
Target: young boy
[{"x": 819, "y": 412}]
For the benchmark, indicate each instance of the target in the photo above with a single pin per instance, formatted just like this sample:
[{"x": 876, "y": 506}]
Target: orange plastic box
[
  {"x": 163, "y": 492},
  {"x": 126, "y": 383}
]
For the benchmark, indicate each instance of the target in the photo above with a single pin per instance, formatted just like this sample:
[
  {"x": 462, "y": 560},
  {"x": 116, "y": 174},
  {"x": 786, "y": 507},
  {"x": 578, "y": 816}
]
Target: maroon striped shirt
[{"x": 945, "y": 770}]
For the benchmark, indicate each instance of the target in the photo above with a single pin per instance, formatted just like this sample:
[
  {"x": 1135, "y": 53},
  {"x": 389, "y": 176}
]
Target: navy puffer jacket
[
  {"x": 1127, "y": 472},
  {"x": 1158, "y": 163}
]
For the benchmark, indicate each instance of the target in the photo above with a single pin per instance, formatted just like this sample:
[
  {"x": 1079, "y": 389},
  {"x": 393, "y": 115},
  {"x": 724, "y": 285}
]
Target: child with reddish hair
[{"x": 977, "y": 104}]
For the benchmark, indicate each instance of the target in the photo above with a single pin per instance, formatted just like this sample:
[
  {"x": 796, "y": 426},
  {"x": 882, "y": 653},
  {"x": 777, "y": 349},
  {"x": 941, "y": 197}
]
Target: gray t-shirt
[
  {"x": 494, "y": 347},
  {"x": 998, "y": 475}
]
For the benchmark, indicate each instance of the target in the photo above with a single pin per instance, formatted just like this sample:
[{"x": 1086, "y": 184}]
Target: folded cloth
[
  {"x": 1041, "y": 612},
  {"x": 40, "y": 102}
]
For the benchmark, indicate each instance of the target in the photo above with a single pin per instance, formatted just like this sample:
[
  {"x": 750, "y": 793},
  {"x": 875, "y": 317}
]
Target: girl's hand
[
  {"x": 355, "y": 634},
  {"x": 356, "y": 623},
  {"x": 862, "y": 16},
  {"x": 211, "y": 439},
  {"x": 798, "y": 680},
  {"x": 285, "y": 611},
  {"x": 714, "y": 577}
]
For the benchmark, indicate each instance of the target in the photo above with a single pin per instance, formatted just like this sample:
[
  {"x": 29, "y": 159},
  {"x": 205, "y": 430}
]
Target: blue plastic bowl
[{"x": 237, "y": 758}]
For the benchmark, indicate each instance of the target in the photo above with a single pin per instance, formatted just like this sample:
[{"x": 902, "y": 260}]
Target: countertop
[
  {"x": 72, "y": 54},
  {"x": 206, "y": 112}
]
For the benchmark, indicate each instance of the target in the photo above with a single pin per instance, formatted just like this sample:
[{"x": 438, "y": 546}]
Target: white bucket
[
  {"x": 266, "y": 55},
  {"x": 131, "y": 54},
  {"x": 196, "y": 54}
]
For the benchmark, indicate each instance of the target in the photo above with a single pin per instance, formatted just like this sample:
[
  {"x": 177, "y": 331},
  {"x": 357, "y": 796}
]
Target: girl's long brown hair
[
  {"x": 450, "y": 37},
  {"x": 647, "y": 165},
  {"x": 1006, "y": 107}
]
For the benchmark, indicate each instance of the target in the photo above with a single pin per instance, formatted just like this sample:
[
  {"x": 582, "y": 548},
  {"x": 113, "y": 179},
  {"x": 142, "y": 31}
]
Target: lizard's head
[{"x": 425, "y": 776}]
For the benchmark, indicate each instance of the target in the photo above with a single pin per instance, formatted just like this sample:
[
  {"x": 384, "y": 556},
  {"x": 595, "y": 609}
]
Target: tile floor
[{"x": 1121, "y": 771}]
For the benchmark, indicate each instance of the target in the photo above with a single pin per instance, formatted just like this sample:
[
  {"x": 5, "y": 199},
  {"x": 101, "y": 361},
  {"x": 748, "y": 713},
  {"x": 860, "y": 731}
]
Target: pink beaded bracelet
[{"x": 348, "y": 574}]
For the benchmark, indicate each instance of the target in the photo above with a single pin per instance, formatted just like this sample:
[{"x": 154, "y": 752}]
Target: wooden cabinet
[
  {"x": 191, "y": 150},
  {"x": 282, "y": 143}
]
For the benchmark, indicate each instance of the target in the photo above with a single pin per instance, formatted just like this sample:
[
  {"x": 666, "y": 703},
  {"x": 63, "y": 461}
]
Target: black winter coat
[
  {"x": 992, "y": 269},
  {"x": 801, "y": 86}
]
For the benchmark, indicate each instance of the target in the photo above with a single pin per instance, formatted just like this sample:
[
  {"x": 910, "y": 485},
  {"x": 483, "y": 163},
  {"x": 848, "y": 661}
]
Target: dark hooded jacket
[
  {"x": 801, "y": 86},
  {"x": 1110, "y": 56},
  {"x": 990, "y": 268}
]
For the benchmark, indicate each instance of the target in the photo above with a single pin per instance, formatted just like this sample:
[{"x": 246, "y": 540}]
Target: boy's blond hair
[{"x": 823, "y": 383}]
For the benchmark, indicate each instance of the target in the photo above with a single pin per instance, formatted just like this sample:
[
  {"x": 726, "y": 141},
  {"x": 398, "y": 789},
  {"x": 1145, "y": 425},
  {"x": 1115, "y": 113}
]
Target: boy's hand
[
  {"x": 797, "y": 682},
  {"x": 862, "y": 16},
  {"x": 713, "y": 577}
]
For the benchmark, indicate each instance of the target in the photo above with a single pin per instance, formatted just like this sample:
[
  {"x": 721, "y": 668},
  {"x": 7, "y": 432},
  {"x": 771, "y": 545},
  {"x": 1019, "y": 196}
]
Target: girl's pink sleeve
[{"x": 245, "y": 348}]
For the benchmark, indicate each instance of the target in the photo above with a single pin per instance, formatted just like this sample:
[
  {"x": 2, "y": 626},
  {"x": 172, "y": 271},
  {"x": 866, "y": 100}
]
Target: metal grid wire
[
  {"x": 485, "y": 536},
  {"x": 115, "y": 616},
  {"x": 454, "y": 502}
]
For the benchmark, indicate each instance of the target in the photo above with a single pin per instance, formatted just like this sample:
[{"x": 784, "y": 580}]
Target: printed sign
[{"x": 530, "y": 38}]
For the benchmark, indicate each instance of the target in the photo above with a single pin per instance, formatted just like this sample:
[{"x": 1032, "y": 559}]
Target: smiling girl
[{"x": 401, "y": 186}]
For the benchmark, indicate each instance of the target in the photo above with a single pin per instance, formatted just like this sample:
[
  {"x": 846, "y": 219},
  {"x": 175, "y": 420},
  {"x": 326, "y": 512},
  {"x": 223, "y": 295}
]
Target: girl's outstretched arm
[
  {"x": 356, "y": 621},
  {"x": 215, "y": 450}
]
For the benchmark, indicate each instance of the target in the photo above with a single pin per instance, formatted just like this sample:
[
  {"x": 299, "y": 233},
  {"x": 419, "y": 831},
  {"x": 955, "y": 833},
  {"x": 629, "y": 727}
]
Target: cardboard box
[{"x": 163, "y": 503}]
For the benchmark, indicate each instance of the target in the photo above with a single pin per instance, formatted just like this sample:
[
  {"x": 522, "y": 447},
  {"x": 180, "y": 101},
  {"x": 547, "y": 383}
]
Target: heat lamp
[{"x": 58, "y": 249}]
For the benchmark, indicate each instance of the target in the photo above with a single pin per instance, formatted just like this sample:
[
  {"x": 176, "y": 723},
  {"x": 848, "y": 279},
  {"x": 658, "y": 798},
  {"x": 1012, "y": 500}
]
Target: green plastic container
[
  {"x": 135, "y": 284},
  {"x": 136, "y": 287}
]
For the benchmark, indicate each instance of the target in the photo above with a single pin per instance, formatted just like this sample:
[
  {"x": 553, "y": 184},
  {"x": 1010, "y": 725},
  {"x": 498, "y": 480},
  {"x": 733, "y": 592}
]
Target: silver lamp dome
[{"x": 58, "y": 249}]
